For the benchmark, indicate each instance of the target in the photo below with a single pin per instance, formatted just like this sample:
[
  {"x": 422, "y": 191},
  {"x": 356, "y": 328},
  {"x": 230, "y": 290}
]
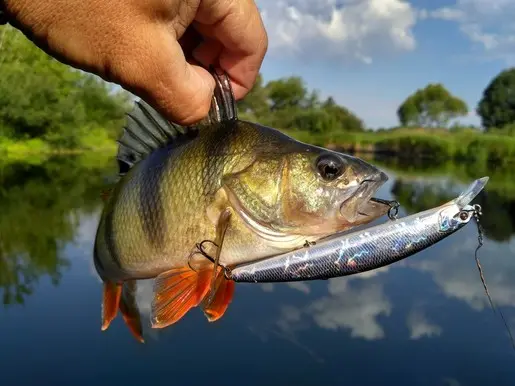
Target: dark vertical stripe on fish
[
  {"x": 217, "y": 150},
  {"x": 151, "y": 210}
]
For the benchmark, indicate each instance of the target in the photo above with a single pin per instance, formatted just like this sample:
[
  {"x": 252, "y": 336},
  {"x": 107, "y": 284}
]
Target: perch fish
[{"x": 229, "y": 189}]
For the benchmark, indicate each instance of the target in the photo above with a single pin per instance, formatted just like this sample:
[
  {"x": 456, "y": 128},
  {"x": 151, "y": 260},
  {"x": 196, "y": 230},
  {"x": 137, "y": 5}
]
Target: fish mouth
[{"x": 361, "y": 207}]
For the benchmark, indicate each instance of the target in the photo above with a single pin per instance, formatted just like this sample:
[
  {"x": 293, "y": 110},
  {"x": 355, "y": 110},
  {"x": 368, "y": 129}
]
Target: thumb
[{"x": 156, "y": 70}]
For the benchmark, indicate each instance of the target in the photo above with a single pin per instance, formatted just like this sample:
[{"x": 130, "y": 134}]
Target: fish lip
[{"x": 364, "y": 193}]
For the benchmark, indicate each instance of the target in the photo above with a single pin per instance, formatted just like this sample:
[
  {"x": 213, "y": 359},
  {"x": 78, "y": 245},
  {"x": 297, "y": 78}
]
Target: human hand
[{"x": 152, "y": 48}]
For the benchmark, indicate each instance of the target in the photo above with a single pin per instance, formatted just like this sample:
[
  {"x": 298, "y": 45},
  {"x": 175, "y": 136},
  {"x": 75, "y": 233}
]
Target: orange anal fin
[
  {"x": 110, "y": 303},
  {"x": 177, "y": 291},
  {"x": 130, "y": 312},
  {"x": 224, "y": 291}
]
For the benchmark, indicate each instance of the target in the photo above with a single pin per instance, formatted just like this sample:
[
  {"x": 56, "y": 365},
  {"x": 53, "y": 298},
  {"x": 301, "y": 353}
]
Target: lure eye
[
  {"x": 464, "y": 216},
  {"x": 329, "y": 166}
]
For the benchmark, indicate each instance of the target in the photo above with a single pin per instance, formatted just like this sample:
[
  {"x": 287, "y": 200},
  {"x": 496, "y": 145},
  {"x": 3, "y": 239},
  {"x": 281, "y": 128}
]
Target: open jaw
[{"x": 361, "y": 207}]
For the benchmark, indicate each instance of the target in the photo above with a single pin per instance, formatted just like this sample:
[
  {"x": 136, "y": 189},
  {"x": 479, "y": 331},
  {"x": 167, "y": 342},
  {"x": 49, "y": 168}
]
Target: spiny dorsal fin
[{"x": 147, "y": 130}]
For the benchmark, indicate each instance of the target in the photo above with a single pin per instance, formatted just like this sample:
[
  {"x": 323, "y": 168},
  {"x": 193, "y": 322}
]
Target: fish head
[
  {"x": 311, "y": 191},
  {"x": 328, "y": 191}
]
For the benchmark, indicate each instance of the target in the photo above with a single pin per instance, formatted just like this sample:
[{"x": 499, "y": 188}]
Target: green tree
[
  {"x": 41, "y": 97},
  {"x": 497, "y": 105},
  {"x": 314, "y": 120},
  {"x": 255, "y": 102},
  {"x": 344, "y": 119},
  {"x": 286, "y": 93},
  {"x": 432, "y": 106}
]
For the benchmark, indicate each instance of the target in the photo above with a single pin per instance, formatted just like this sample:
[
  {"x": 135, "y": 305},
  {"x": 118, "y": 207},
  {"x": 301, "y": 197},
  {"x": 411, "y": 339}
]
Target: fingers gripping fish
[{"x": 249, "y": 190}]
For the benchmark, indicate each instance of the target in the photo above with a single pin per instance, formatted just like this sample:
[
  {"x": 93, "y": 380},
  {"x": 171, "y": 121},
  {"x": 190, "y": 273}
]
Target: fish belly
[{"x": 157, "y": 215}]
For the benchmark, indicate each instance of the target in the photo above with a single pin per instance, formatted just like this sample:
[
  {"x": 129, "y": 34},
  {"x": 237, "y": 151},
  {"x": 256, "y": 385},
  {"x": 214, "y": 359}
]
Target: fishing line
[{"x": 480, "y": 231}]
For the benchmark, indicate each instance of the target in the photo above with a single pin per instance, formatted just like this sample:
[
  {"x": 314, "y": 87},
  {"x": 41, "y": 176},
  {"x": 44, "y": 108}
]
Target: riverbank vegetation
[{"x": 47, "y": 107}]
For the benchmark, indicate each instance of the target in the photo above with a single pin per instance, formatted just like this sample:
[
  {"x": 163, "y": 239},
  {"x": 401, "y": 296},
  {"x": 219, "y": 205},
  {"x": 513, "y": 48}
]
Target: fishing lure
[{"x": 367, "y": 249}]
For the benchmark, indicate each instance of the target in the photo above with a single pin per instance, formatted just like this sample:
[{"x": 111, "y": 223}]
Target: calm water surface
[{"x": 422, "y": 321}]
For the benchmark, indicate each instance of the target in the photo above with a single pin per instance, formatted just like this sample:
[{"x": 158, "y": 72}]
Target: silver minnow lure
[{"x": 367, "y": 249}]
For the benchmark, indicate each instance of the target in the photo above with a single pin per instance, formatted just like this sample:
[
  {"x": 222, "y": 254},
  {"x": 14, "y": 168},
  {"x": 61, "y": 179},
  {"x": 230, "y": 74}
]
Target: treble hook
[{"x": 201, "y": 250}]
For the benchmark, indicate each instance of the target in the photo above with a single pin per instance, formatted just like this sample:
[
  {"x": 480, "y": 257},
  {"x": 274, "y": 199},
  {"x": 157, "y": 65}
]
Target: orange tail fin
[
  {"x": 221, "y": 298},
  {"x": 110, "y": 303},
  {"x": 177, "y": 291}
]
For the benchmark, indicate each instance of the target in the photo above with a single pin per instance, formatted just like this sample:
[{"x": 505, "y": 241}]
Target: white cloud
[
  {"x": 488, "y": 23},
  {"x": 340, "y": 29},
  {"x": 420, "y": 326},
  {"x": 457, "y": 275},
  {"x": 353, "y": 307}
]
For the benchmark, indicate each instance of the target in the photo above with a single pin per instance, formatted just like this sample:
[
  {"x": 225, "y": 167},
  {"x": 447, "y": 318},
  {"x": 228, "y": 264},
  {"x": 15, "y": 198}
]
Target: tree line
[
  {"x": 435, "y": 106},
  {"x": 287, "y": 104},
  {"x": 43, "y": 98}
]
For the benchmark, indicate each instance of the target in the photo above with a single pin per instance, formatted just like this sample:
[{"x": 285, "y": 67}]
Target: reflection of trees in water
[
  {"x": 498, "y": 218},
  {"x": 37, "y": 205}
]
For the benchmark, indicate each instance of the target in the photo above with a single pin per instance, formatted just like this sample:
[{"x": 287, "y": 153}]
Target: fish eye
[
  {"x": 464, "y": 215},
  {"x": 329, "y": 166}
]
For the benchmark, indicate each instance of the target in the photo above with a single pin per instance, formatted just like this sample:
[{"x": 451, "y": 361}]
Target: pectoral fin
[
  {"x": 221, "y": 228},
  {"x": 177, "y": 291}
]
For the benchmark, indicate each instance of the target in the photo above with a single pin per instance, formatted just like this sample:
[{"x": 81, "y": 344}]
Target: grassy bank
[
  {"x": 415, "y": 144},
  {"x": 37, "y": 150}
]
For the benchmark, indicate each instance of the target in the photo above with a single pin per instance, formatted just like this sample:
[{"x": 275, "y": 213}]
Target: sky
[{"x": 372, "y": 54}]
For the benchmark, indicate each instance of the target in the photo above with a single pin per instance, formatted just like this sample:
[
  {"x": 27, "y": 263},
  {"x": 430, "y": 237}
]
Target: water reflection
[
  {"x": 419, "y": 186},
  {"x": 425, "y": 320},
  {"x": 40, "y": 207}
]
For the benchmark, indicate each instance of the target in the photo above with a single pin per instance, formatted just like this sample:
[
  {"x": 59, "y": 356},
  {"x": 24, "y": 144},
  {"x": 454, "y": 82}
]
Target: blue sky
[{"x": 371, "y": 54}]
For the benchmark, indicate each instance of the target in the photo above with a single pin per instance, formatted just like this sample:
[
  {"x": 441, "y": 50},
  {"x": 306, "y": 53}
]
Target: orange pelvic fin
[
  {"x": 130, "y": 312},
  {"x": 110, "y": 303},
  {"x": 215, "y": 305},
  {"x": 177, "y": 291}
]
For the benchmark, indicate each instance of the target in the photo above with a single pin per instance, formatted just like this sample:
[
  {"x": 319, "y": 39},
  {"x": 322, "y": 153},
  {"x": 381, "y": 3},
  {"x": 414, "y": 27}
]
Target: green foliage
[
  {"x": 288, "y": 104},
  {"x": 497, "y": 105},
  {"x": 255, "y": 103},
  {"x": 286, "y": 93},
  {"x": 432, "y": 106},
  {"x": 43, "y": 98}
]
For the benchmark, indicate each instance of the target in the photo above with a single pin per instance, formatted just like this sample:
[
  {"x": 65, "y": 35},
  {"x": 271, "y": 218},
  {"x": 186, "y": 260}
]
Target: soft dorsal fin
[{"x": 146, "y": 130}]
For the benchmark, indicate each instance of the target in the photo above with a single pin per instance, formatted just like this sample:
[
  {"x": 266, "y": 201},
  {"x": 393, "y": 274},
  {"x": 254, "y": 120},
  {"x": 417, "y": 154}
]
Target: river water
[{"x": 422, "y": 321}]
